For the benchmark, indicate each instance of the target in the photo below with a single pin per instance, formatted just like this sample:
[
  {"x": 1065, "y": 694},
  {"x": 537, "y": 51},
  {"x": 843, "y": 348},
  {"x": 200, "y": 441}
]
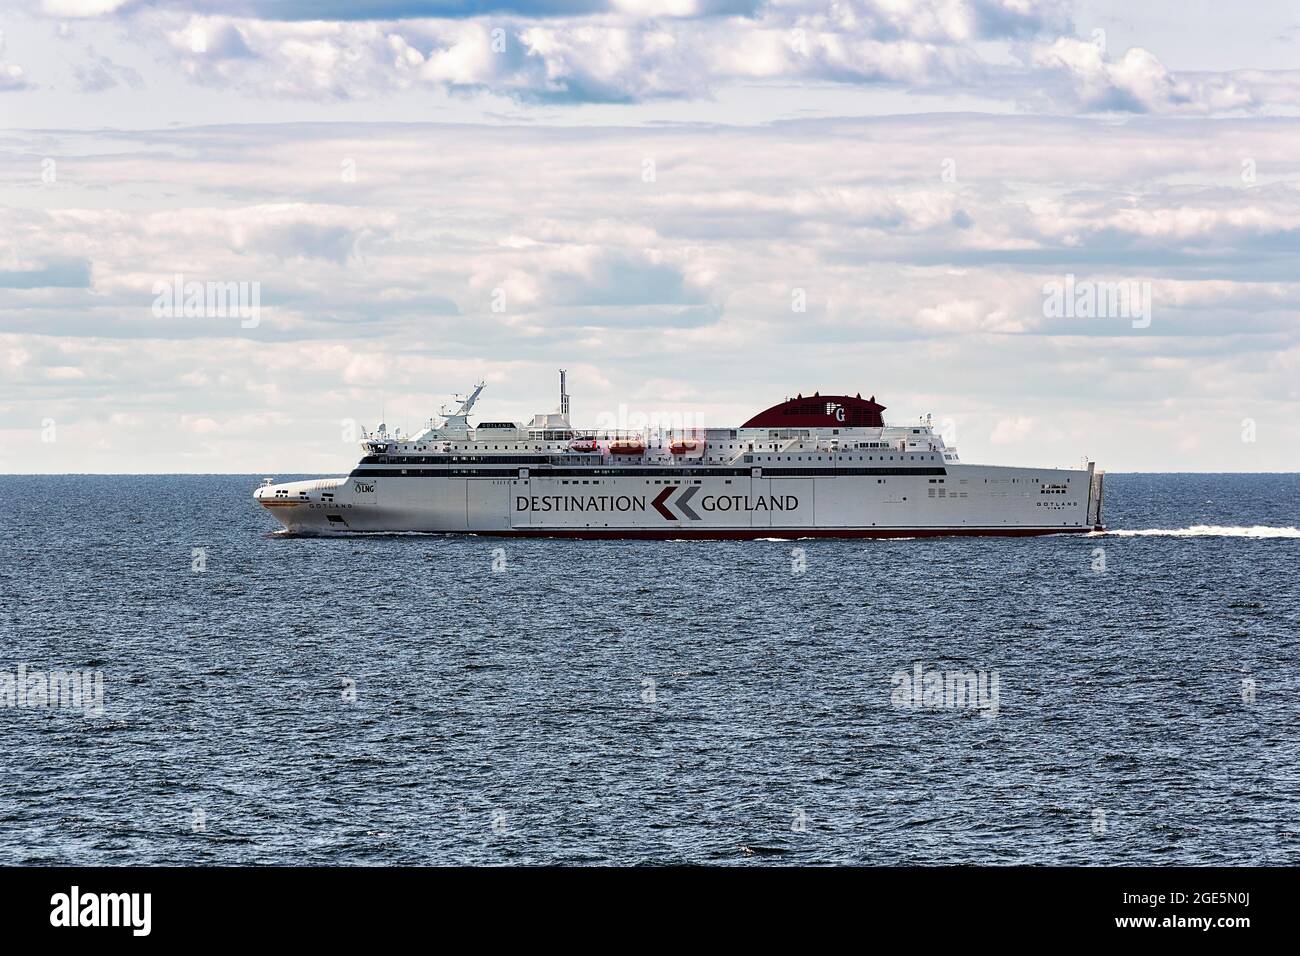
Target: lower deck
[{"x": 696, "y": 503}]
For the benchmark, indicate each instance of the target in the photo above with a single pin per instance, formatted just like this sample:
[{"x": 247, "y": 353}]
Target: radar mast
[{"x": 459, "y": 419}]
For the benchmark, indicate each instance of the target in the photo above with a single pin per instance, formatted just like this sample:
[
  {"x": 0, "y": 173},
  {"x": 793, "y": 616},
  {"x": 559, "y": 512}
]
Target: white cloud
[
  {"x": 1137, "y": 82},
  {"x": 12, "y": 77},
  {"x": 1011, "y": 431},
  {"x": 634, "y": 51},
  {"x": 96, "y": 73},
  {"x": 638, "y": 51},
  {"x": 82, "y": 8},
  {"x": 575, "y": 238},
  {"x": 380, "y": 247}
]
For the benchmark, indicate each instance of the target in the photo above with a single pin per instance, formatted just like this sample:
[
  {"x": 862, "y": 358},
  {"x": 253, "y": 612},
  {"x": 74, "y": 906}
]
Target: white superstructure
[{"x": 817, "y": 466}]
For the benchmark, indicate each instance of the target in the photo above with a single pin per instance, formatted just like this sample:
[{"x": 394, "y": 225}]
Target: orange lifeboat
[
  {"x": 627, "y": 446},
  {"x": 584, "y": 444},
  {"x": 684, "y": 446}
]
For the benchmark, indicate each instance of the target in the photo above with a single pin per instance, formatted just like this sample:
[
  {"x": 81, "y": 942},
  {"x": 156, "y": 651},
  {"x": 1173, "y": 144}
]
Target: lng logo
[
  {"x": 103, "y": 909},
  {"x": 364, "y": 487}
]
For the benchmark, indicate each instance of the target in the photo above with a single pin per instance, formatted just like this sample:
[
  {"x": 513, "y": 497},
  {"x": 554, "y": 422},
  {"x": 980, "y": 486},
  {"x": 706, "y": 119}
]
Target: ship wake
[{"x": 1203, "y": 531}]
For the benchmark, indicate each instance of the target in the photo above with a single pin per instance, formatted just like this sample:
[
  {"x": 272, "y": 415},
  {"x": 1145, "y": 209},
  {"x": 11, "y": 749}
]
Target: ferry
[{"x": 809, "y": 466}]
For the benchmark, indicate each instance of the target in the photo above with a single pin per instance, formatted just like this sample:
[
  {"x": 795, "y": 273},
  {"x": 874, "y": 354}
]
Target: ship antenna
[
  {"x": 459, "y": 416},
  {"x": 564, "y": 395}
]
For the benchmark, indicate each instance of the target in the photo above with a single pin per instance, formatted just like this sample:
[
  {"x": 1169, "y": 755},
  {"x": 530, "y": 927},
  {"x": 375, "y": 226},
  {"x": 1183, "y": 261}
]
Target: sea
[{"x": 182, "y": 684}]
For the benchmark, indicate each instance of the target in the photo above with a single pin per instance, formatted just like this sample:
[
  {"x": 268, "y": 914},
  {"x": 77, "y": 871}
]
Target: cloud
[
  {"x": 12, "y": 77},
  {"x": 562, "y": 52},
  {"x": 575, "y": 51},
  {"x": 300, "y": 232},
  {"x": 856, "y": 270},
  {"x": 85, "y": 8},
  {"x": 52, "y": 273},
  {"x": 970, "y": 17},
  {"x": 1010, "y": 431},
  {"x": 1082, "y": 77},
  {"x": 544, "y": 61},
  {"x": 557, "y": 52},
  {"x": 97, "y": 73}
]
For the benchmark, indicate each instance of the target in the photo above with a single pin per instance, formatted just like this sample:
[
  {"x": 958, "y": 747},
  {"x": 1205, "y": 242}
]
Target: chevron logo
[
  {"x": 659, "y": 503},
  {"x": 683, "y": 503}
]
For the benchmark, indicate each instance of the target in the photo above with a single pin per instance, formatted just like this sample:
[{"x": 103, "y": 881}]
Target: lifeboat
[
  {"x": 584, "y": 444},
  {"x": 627, "y": 446},
  {"x": 684, "y": 446}
]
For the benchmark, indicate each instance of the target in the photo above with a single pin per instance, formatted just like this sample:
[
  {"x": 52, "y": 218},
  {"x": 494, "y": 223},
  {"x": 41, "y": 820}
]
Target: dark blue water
[{"x": 631, "y": 702}]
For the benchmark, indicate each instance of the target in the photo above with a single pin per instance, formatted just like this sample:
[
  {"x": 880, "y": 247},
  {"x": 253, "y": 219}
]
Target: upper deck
[{"x": 818, "y": 431}]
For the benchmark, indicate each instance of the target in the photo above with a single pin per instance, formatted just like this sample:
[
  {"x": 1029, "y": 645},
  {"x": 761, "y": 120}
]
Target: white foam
[{"x": 1205, "y": 531}]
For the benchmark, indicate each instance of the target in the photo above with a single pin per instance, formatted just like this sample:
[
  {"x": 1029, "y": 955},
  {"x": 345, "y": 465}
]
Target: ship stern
[{"x": 1096, "y": 486}]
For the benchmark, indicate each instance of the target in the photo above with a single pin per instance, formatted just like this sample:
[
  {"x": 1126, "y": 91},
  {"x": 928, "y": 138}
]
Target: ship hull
[
  {"x": 650, "y": 534},
  {"x": 957, "y": 500}
]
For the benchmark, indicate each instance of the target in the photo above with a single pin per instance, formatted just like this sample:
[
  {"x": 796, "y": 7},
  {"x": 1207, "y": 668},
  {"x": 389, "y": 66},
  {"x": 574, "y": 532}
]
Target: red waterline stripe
[{"x": 749, "y": 534}]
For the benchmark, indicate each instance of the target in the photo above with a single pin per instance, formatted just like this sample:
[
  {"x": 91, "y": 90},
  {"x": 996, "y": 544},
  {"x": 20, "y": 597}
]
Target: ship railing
[
  {"x": 322, "y": 484},
  {"x": 609, "y": 434}
]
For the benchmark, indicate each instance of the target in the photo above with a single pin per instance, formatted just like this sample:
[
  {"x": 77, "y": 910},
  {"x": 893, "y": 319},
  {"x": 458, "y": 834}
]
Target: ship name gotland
[
  {"x": 638, "y": 503},
  {"x": 745, "y": 503}
]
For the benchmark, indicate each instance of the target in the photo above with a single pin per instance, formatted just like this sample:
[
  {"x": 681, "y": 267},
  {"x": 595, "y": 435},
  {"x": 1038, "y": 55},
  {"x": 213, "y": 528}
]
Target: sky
[{"x": 697, "y": 207}]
